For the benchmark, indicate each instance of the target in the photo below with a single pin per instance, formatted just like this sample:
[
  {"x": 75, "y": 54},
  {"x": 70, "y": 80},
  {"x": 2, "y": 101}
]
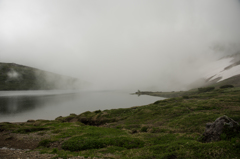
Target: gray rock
[
  {"x": 4, "y": 148},
  {"x": 221, "y": 125}
]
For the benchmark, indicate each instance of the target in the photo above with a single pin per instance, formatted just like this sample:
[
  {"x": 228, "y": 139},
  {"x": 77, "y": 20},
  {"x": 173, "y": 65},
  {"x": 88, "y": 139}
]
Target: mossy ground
[{"x": 167, "y": 129}]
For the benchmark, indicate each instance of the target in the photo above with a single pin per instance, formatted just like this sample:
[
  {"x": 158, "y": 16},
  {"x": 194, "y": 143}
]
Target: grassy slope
[
  {"x": 165, "y": 129},
  {"x": 25, "y": 82},
  {"x": 235, "y": 81}
]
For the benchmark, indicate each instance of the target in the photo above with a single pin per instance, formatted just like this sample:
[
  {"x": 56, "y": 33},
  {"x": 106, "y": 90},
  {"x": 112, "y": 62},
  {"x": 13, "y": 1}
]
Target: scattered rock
[
  {"x": 221, "y": 127},
  {"x": 4, "y": 148}
]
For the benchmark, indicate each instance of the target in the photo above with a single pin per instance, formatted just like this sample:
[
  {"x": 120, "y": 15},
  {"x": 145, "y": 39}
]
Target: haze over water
[{"x": 19, "y": 106}]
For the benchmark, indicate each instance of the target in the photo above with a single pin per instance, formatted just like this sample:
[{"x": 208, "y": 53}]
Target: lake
[{"x": 20, "y": 106}]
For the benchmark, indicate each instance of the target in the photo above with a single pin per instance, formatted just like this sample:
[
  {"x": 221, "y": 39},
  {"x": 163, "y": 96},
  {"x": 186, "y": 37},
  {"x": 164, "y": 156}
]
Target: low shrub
[
  {"x": 185, "y": 97},
  {"x": 205, "y": 89},
  {"x": 6, "y": 126},
  {"x": 227, "y": 86},
  {"x": 144, "y": 129},
  {"x": 94, "y": 121},
  {"x": 97, "y": 111},
  {"x": 126, "y": 142},
  {"x": 67, "y": 118},
  {"x": 55, "y": 150},
  {"x": 30, "y": 129},
  {"x": 41, "y": 133},
  {"x": 45, "y": 143},
  {"x": 81, "y": 143},
  {"x": 156, "y": 130},
  {"x": 56, "y": 131},
  {"x": 134, "y": 131},
  {"x": 228, "y": 132}
]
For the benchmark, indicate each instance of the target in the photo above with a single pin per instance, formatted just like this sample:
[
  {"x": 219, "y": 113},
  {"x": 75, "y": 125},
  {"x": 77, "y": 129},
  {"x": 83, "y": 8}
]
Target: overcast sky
[{"x": 119, "y": 44}]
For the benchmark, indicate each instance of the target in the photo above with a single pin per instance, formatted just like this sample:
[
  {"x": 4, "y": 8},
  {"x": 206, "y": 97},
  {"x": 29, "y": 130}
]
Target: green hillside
[
  {"x": 233, "y": 81},
  {"x": 19, "y": 77}
]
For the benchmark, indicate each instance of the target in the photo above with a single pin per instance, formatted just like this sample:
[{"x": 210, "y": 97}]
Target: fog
[{"x": 121, "y": 44}]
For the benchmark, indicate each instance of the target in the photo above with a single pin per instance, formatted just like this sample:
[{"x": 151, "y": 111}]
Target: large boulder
[{"x": 222, "y": 128}]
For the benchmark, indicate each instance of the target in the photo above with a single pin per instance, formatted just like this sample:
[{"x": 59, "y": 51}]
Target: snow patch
[
  {"x": 228, "y": 73},
  {"x": 217, "y": 69}
]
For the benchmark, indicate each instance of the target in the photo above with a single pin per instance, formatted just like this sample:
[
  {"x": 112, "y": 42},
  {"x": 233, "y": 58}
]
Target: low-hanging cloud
[
  {"x": 13, "y": 75},
  {"x": 137, "y": 44}
]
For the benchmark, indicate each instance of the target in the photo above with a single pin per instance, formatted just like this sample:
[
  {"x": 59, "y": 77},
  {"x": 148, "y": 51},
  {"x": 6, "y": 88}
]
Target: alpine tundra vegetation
[{"x": 170, "y": 128}]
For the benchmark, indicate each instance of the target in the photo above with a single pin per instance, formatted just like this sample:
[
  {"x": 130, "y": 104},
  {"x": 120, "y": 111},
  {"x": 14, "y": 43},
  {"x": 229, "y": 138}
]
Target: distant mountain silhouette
[{"x": 19, "y": 77}]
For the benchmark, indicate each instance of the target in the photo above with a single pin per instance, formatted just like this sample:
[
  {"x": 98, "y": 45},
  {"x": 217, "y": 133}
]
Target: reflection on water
[
  {"x": 11, "y": 105},
  {"x": 18, "y": 104},
  {"x": 24, "y": 105}
]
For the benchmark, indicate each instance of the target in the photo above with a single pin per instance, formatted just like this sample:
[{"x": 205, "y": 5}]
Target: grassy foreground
[{"x": 165, "y": 129}]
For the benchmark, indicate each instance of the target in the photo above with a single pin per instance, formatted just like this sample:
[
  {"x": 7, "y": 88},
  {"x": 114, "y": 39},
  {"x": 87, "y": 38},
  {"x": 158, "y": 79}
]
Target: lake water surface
[{"x": 19, "y": 106}]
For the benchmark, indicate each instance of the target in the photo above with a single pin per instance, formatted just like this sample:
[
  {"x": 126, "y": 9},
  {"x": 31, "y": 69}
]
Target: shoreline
[{"x": 166, "y": 94}]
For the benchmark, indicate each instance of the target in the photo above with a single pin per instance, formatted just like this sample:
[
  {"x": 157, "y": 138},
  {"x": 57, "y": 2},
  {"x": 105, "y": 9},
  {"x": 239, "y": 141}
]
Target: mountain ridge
[{"x": 19, "y": 77}]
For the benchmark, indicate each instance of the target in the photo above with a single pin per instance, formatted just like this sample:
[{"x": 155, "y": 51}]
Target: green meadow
[{"x": 165, "y": 129}]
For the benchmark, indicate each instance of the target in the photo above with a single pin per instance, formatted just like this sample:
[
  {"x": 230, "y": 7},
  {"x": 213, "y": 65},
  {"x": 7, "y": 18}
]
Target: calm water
[{"x": 18, "y": 106}]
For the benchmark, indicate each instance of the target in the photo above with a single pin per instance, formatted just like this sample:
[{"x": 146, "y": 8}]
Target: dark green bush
[
  {"x": 69, "y": 118},
  {"x": 66, "y": 119},
  {"x": 205, "y": 89},
  {"x": 30, "y": 129},
  {"x": 134, "y": 131},
  {"x": 97, "y": 111},
  {"x": 144, "y": 129},
  {"x": 55, "y": 150},
  {"x": 156, "y": 130},
  {"x": 228, "y": 132},
  {"x": 6, "y": 126},
  {"x": 157, "y": 102},
  {"x": 56, "y": 131},
  {"x": 126, "y": 142},
  {"x": 45, "y": 143},
  {"x": 81, "y": 143},
  {"x": 185, "y": 97},
  {"x": 227, "y": 86}
]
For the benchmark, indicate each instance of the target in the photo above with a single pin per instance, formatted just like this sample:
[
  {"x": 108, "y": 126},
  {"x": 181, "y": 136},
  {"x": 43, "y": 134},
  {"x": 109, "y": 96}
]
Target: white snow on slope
[
  {"x": 216, "y": 69},
  {"x": 229, "y": 73}
]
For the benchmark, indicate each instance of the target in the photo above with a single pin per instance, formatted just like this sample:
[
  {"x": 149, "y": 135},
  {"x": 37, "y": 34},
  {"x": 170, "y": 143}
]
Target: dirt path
[
  {"x": 6, "y": 153},
  {"x": 18, "y": 146},
  {"x": 11, "y": 153}
]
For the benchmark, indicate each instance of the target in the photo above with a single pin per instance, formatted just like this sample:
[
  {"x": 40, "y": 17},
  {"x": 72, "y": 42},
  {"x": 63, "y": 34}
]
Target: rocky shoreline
[{"x": 164, "y": 94}]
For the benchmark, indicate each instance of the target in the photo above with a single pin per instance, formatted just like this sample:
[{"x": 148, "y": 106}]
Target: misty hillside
[
  {"x": 224, "y": 71},
  {"x": 19, "y": 77}
]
